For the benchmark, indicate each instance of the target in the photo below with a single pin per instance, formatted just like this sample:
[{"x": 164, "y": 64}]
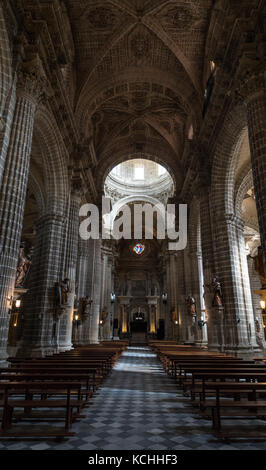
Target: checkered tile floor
[{"x": 139, "y": 407}]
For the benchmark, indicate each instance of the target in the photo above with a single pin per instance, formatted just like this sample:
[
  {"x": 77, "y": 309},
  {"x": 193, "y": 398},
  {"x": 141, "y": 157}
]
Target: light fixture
[
  {"x": 176, "y": 322},
  {"x": 18, "y": 303},
  {"x": 164, "y": 297},
  {"x": 112, "y": 297},
  {"x": 262, "y": 304},
  {"x": 9, "y": 302},
  {"x": 202, "y": 323},
  {"x": 76, "y": 317},
  {"x": 101, "y": 322}
]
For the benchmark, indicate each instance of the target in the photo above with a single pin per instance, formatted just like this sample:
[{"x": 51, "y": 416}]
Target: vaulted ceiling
[
  {"x": 139, "y": 68},
  {"x": 134, "y": 72}
]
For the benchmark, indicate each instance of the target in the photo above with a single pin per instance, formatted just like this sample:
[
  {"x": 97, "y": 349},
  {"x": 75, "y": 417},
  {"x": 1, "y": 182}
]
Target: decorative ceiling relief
[
  {"x": 140, "y": 45},
  {"x": 102, "y": 18},
  {"x": 182, "y": 17}
]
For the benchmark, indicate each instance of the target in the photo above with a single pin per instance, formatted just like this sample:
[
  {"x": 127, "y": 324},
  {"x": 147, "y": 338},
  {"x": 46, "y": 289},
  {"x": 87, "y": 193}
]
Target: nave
[{"x": 139, "y": 407}]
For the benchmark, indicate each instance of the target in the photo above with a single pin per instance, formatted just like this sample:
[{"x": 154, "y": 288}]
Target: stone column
[
  {"x": 197, "y": 280},
  {"x": 255, "y": 285},
  {"x": 214, "y": 317},
  {"x": 201, "y": 302},
  {"x": 255, "y": 98},
  {"x": 152, "y": 315},
  {"x": 232, "y": 270},
  {"x": 65, "y": 331},
  {"x": 90, "y": 328},
  {"x": 108, "y": 288},
  {"x": 169, "y": 305},
  {"x": 181, "y": 295},
  {"x": 124, "y": 319},
  {"x": 13, "y": 189},
  {"x": 40, "y": 327},
  {"x": 84, "y": 259}
]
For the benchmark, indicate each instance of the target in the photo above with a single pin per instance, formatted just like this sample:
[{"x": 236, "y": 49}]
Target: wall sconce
[
  {"x": 9, "y": 302},
  {"x": 202, "y": 323},
  {"x": 176, "y": 322},
  {"x": 101, "y": 322},
  {"x": 76, "y": 317},
  {"x": 262, "y": 304},
  {"x": 18, "y": 303},
  {"x": 112, "y": 297},
  {"x": 164, "y": 297}
]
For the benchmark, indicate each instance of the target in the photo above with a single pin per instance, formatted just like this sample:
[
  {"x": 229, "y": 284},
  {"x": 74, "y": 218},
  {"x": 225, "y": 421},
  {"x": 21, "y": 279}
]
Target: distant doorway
[{"x": 138, "y": 330}]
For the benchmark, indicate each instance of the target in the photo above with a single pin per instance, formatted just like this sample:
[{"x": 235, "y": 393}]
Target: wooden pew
[
  {"x": 66, "y": 380},
  {"x": 254, "y": 406},
  {"x": 27, "y": 390}
]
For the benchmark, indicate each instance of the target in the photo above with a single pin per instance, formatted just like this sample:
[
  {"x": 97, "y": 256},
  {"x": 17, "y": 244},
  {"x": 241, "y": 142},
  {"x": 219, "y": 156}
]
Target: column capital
[
  {"x": 77, "y": 183},
  {"x": 32, "y": 83},
  {"x": 203, "y": 191}
]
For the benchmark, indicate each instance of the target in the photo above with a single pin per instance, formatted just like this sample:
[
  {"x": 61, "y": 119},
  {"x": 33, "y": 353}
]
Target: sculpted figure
[
  {"x": 63, "y": 292},
  {"x": 191, "y": 304},
  {"x": 215, "y": 288},
  {"x": 86, "y": 305},
  {"x": 23, "y": 266},
  {"x": 217, "y": 299}
]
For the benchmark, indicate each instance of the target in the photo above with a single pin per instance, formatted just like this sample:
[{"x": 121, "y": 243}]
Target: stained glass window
[{"x": 139, "y": 248}]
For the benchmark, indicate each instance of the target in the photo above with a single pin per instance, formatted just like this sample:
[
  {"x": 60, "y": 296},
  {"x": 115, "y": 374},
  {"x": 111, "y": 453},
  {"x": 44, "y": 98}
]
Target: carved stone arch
[
  {"x": 225, "y": 161},
  {"x": 37, "y": 189},
  {"x": 121, "y": 81},
  {"x": 241, "y": 190},
  {"x": 54, "y": 158},
  {"x": 109, "y": 219}
]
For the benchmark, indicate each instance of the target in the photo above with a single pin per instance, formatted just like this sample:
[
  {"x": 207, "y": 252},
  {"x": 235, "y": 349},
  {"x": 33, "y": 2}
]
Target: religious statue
[
  {"x": 86, "y": 306},
  {"x": 104, "y": 314},
  {"x": 154, "y": 290},
  {"x": 217, "y": 289},
  {"x": 63, "y": 291},
  {"x": 22, "y": 268},
  {"x": 191, "y": 303}
]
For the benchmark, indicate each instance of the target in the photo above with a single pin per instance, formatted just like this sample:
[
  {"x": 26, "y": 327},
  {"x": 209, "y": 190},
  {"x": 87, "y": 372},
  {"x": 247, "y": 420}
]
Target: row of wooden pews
[
  {"x": 55, "y": 388},
  {"x": 219, "y": 385}
]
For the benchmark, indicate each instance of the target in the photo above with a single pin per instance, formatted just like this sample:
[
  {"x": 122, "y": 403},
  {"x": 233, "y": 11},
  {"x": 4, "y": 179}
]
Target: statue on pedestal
[
  {"x": 22, "y": 268},
  {"x": 104, "y": 314},
  {"x": 217, "y": 299},
  {"x": 63, "y": 291},
  {"x": 86, "y": 306},
  {"x": 191, "y": 303},
  {"x": 215, "y": 288}
]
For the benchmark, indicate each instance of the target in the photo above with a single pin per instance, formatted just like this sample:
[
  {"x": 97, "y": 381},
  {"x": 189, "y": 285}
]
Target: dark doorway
[
  {"x": 138, "y": 330},
  {"x": 138, "y": 326},
  {"x": 160, "y": 331}
]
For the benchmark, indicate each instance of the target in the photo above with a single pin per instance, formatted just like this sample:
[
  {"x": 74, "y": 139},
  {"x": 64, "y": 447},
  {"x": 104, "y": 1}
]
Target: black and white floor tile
[{"x": 140, "y": 408}]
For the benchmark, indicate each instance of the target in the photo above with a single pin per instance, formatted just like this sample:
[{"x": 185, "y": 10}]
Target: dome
[{"x": 139, "y": 177}]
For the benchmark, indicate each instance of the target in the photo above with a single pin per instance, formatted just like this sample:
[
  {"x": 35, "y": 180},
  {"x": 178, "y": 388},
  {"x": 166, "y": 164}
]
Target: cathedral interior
[{"x": 157, "y": 102}]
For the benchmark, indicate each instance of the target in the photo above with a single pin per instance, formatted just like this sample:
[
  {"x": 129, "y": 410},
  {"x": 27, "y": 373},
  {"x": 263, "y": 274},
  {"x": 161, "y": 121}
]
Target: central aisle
[{"x": 138, "y": 408}]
